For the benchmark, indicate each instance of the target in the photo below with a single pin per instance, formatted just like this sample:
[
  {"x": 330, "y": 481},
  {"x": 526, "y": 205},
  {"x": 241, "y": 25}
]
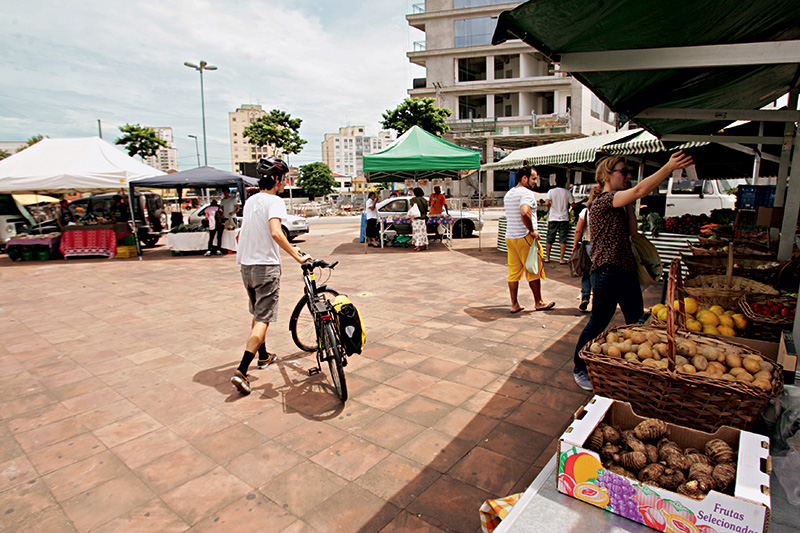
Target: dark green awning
[{"x": 561, "y": 27}]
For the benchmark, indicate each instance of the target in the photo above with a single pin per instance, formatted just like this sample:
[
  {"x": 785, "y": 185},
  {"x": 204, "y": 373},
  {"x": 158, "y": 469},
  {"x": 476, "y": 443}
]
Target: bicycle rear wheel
[
  {"x": 333, "y": 354},
  {"x": 301, "y": 323}
]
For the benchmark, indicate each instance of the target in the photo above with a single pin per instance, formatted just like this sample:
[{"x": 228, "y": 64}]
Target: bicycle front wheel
[
  {"x": 333, "y": 354},
  {"x": 301, "y": 323}
]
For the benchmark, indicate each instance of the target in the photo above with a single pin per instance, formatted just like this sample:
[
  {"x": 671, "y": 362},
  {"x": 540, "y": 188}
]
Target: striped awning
[
  {"x": 644, "y": 143},
  {"x": 581, "y": 150}
]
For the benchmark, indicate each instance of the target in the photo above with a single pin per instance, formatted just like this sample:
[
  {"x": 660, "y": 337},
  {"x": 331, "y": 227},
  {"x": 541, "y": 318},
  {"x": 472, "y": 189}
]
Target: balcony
[
  {"x": 420, "y": 46},
  {"x": 417, "y": 9},
  {"x": 472, "y": 125},
  {"x": 552, "y": 120}
]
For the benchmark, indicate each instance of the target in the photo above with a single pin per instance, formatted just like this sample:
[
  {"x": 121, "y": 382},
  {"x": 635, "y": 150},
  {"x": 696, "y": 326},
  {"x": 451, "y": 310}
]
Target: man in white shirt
[
  {"x": 229, "y": 206},
  {"x": 258, "y": 254},
  {"x": 371, "y": 210},
  {"x": 522, "y": 233},
  {"x": 559, "y": 201}
]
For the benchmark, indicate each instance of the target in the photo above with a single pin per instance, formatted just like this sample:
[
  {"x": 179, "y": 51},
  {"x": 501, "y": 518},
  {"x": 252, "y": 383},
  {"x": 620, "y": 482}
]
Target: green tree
[
  {"x": 420, "y": 112},
  {"x": 276, "y": 128},
  {"x": 140, "y": 140},
  {"x": 30, "y": 142},
  {"x": 316, "y": 179},
  {"x": 3, "y": 154}
]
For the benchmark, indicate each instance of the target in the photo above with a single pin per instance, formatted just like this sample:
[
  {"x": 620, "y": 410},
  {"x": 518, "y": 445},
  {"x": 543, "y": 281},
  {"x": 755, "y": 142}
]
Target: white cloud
[{"x": 329, "y": 63}]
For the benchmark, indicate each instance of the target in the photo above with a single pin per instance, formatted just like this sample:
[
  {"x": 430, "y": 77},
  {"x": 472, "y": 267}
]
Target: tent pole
[
  {"x": 480, "y": 206},
  {"x": 133, "y": 218}
]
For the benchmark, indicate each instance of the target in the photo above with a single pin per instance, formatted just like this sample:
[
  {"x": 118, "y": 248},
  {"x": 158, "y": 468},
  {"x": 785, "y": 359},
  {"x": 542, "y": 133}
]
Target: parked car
[
  {"x": 151, "y": 218},
  {"x": 292, "y": 225},
  {"x": 465, "y": 224},
  {"x": 14, "y": 217}
]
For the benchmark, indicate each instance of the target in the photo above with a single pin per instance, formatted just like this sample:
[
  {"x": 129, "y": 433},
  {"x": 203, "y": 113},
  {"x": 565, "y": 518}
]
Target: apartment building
[
  {"x": 241, "y": 150},
  {"x": 166, "y": 159},
  {"x": 343, "y": 152},
  {"x": 502, "y": 97}
]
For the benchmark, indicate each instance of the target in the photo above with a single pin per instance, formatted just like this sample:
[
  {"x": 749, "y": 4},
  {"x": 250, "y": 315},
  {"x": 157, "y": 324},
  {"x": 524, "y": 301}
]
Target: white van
[{"x": 13, "y": 218}]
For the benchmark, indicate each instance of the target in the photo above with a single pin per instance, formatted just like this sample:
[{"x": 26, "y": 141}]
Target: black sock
[
  {"x": 247, "y": 358},
  {"x": 262, "y": 352}
]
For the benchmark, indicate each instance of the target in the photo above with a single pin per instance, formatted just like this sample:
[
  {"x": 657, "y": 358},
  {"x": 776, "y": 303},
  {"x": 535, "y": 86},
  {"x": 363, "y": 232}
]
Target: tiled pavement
[{"x": 117, "y": 413}]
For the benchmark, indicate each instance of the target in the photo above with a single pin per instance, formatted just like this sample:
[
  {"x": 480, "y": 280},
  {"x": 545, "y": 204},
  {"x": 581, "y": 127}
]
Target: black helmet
[{"x": 271, "y": 166}]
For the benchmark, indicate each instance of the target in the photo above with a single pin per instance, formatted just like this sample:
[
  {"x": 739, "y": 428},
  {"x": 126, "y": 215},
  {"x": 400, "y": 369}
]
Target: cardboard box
[
  {"x": 769, "y": 217},
  {"x": 748, "y": 511}
]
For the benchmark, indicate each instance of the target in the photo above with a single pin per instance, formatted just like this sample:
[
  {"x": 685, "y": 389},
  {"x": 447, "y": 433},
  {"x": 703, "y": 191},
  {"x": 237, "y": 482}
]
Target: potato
[
  {"x": 687, "y": 349},
  {"x": 635, "y": 348},
  {"x": 699, "y": 362},
  {"x": 762, "y": 384},
  {"x": 637, "y": 337},
  {"x": 722, "y": 357},
  {"x": 733, "y": 360},
  {"x": 728, "y": 377},
  {"x": 661, "y": 349},
  {"x": 661, "y": 364},
  {"x": 595, "y": 348},
  {"x": 765, "y": 366},
  {"x": 650, "y": 362},
  {"x": 704, "y": 373},
  {"x": 644, "y": 352},
  {"x": 755, "y": 356},
  {"x": 625, "y": 333},
  {"x": 653, "y": 337},
  {"x": 631, "y": 356},
  {"x": 716, "y": 367},
  {"x": 612, "y": 338},
  {"x": 657, "y": 357},
  {"x": 604, "y": 347},
  {"x": 649, "y": 344},
  {"x": 613, "y": 351},
  {"x": 689, "y": 369},
  {"x": 764, "y": 375},
  {"x": 751, "y": 365},
  {"x": 681, "y": 360},
  {"x": 711, "y": 353},
  {"x": 745, "y": 376},
  {"x": 735, "y": 371},
  {"x": 624, "y": 347}
]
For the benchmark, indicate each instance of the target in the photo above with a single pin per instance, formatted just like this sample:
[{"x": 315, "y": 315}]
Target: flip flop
[
  {"x": 545, "y": 261},
  {"x": 563, "y": 263},
  {"x": 546, "y": 307},
  {"x": 517, "y": 311}
]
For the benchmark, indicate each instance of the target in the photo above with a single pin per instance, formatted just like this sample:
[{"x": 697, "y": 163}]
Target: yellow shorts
[{"x": 517, "y": 254}]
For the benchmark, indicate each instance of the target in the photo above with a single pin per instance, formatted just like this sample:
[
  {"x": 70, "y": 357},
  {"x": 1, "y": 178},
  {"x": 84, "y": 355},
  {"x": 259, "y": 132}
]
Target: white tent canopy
[{"x": 87, "y": 164}]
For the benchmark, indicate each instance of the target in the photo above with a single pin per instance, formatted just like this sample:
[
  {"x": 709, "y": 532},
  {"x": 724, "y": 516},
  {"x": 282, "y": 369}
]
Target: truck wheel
[
  {"x": 463, "y": 229},
  {"x": 150, "y": 240}
]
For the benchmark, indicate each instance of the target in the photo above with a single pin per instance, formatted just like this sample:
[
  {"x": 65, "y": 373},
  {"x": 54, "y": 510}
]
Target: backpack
[{"x": 351, "y": 327}]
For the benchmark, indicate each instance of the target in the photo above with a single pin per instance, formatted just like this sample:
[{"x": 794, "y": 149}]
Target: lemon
[
  {"x": 717, "y": 309},
  {"x": 740, "y": 321},
  {"x": 708, "y": 318},
  {"x": 726, "y": 321},
  {"x": 730, "y": 312},
  {"x": 691, "y": 305},
  {"x": 694, "y": 325},
  {"x": 725, "y": 330},
  {"x": 662, "y": 314},
  {"x": 656, "y": 308},
  {"x": 708, "y": 328}
]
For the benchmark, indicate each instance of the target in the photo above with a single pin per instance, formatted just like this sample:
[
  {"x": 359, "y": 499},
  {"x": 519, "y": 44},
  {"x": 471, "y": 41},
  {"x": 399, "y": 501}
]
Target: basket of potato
[{"x": 688, "y": 378}]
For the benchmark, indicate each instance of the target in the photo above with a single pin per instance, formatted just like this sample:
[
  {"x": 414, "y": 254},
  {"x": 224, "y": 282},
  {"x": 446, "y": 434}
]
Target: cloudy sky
[{"x": 332, "y": 63}]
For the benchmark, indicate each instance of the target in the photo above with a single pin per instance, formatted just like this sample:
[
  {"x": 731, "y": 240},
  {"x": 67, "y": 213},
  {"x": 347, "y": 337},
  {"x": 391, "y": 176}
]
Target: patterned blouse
[{"x": 611, "y": 242}]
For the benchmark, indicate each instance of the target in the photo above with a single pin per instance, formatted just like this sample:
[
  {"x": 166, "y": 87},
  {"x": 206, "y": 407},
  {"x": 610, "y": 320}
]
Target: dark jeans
[
  {"x": 218, "y": 232},
  {"x": 586, "y": 280},
  {"x": 610, "y": 286}
]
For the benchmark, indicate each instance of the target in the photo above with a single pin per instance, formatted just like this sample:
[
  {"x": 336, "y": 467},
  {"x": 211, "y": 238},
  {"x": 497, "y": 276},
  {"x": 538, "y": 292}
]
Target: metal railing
[
  {"x": 420, "y": 46},
  {"x": 472, "y": 125},
  {"x": 416, "y": 9}
]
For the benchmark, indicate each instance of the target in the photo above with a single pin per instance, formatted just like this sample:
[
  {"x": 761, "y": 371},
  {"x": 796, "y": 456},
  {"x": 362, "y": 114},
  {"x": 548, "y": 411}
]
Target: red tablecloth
[{"x": 83, "y": 242}]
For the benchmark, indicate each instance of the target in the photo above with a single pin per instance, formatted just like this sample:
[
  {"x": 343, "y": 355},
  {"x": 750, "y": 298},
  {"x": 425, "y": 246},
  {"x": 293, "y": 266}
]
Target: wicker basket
[
  {"x": 741, "y": 252},
  {"x": 719, "y": 290},
  {"x": 766, "y": 327},
  {"x": 757, "y": 269},
  {"x": 690, "y": 400}
]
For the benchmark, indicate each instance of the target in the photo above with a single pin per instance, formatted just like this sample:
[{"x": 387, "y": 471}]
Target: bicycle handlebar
[{"x": 318, "y": 263}]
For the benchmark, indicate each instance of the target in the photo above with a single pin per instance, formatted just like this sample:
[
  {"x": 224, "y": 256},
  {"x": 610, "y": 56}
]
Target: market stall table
[
  {"x": 444, "y": 222},
  {"x": 196, "y": 241},
  {"x": 15, "y": 245},
  {"x": 92, "y": 239}
]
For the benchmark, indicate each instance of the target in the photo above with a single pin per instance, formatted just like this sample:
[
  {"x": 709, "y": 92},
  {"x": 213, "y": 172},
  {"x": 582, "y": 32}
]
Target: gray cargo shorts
[{"x": 263, "y": 285}]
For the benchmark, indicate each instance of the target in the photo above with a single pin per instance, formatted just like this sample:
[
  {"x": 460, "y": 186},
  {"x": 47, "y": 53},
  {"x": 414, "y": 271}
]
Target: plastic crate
[
  {"x": 43, "y": 253},
  {"x": 128, "y": 240},
  {"x": 124, "y": 252},
  {"x": 755, "y": 196}
]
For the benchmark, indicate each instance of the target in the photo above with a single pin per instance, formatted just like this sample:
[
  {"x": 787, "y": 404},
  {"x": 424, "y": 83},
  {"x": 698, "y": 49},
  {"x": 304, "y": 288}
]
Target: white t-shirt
[
  {"x": 512, "y": 201},
  {"x": 256, "y": 245},
  {"x": 371, "y": 213},
  {"x": 587, "y": 236},
  {"x": 560, "y": 199},
  {"x": 228, "y": 206}
]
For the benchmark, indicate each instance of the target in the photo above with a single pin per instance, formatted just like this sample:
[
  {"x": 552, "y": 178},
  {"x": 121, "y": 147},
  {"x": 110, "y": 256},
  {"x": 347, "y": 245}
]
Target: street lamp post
[
  {"x": 200, "y": 68},
  {"x": 196, "y": 149}
]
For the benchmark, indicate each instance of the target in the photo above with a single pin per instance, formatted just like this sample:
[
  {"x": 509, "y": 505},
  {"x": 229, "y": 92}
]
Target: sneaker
[
  {"x": 219, "y": 253},
  {"x": 584, "y": 304},
  {"x": 241, "y": 383},
  {"x": 207, "y": 254},
  {"x": 582, "y": 379},
  {"x": 264, "y": 363}
]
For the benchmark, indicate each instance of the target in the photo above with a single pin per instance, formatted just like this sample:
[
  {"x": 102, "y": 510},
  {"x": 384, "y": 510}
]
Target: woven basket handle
[{"x": 674, "y": 287}]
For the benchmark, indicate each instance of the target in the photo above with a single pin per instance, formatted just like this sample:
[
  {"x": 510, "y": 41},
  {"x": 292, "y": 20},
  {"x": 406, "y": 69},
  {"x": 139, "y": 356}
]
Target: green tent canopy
[{"x": 418, "y": 154}]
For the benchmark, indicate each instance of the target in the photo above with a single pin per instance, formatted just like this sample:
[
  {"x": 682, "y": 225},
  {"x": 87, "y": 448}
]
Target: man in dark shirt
[
  {"x": 65, "y": 216},
  {"x": 118, "y": 210}
]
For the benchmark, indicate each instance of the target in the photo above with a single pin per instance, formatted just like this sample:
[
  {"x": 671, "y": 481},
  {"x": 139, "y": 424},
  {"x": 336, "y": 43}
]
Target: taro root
[
  {"x": 595, "y": 440},
  {"x": 651, "y": 472},
  {"x": 724, "y": 474},
  {"x": 698, "y": 458},
  {"x": 667, "y": 448},
  {"x": 720, "y": 451},
  {"x": 619, "y": 470},
  {"x": 677, "y": 461},
  {"x": 692, "y": 490},
  {"x": 632, "y": 442},
  {"x": 689, "y": 451},
  {"x": 612, "y": 435},
  {"x": 633, "y": 460},
  {"x": 652, "y": 453},
  {"x": 700, "y": 468},
  {"x": 671, "y": 479},
  {"x": 609, "y": 451},
  {"x": 650, "y": 429},
  {"x": 704, "y": 481}
]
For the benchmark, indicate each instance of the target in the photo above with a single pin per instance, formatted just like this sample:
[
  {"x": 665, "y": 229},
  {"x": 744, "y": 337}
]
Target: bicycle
[{"x": 314, "y": 327}]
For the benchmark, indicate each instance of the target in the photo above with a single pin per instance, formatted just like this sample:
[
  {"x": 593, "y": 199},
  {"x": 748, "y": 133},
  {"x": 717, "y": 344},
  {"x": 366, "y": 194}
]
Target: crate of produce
[
  {"x": 694, "y": 379},
  {"x": 768, "y": 314},
  {"x": 721, "y": 290},
  {"x": 664, "y": 475},
  {"x": 124, "y": 252},
  {"x": 758, "y": 269}
]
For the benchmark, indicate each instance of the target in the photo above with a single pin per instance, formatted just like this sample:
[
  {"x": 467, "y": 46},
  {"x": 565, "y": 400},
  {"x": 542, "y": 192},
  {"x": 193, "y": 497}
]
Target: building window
[
  {"x": 471, "y": 107},
  {"x": 474, "y": 32},
  {"x": 506, "y": 66},
  {"x": 472, "y": 69},
  {"x": 601, "y": 111}
]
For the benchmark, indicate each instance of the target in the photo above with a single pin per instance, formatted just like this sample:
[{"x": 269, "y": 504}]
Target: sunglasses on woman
[{"x": 624, "y": 171}]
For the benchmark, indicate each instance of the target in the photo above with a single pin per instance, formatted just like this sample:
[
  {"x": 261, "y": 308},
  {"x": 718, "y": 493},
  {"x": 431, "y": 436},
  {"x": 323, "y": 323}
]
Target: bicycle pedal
[{"x": 313, "y": 371}]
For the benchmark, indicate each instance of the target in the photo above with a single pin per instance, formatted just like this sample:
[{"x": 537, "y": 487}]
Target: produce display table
[
  {"x": 198, "y": 241},
  {"x": 230, "y": 239},
  {"x": 543, "y": 508},
  {"x": 89, "y": 240},
  {"x": 446, "y": 222},
  {"x": 15, "y": 245}
]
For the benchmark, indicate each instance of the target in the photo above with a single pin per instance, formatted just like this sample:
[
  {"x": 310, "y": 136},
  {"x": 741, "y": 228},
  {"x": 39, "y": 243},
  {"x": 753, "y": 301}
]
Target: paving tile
[
  {"x": 127, "y": 429},
  {"x": 519, "y": 389},
  {"x": 354, "y": 416},
  {"x": 229, "y": 442},
  {"x": 562, "y": 399},
  {"x": 174, "y": 469},
  {"x": 405, "y": 521},
  {"x": 351, "y": 509},
  {"x": 540, "y": 419},
  {"x": 148, "y": 447},
  {"x": 106, "y": 502},
  {"x": 450, "y": 504},
  {"x": 107, "y": 414},
  {"x": 244, "y": 513},
  {"x": 378, "y": 371},
  {"x": 24, "y": 501},
  {"x": 153, "y": 515},
  {"x": 273, "y": 421},
  {"x": 516, "y": 441},
  {"x": 389, "y": 431},
  {"x": 435, "y": 449},
  {"x": 17, "y": 403},
  {"x": 303, "y": 487},
  {"x": 384, "y": 397},
  {"x": 84, "y": 475},
  {"x": 15, "y": 472},
  {"x": 398, "y": 479},
  {"x": 201, "y": 424},
  {"x": 491, "y": 405},
  {"x": 449, "y": 392},
  {"x": 487, "y": 470},
  {"x": 205, "y": 495},
  {"x": 36, "y": 439},
  {"x": 350, "y": 457},
  {"x": 421, "y": 410},
  {"x": 310, "y": 437},
  {"x": 262, "y": 463},
  {"x": 465, "y": 425}
]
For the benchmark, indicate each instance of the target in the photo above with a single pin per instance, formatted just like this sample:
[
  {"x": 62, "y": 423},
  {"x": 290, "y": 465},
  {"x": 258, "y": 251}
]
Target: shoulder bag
[{"x": 580, "y": 263}]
